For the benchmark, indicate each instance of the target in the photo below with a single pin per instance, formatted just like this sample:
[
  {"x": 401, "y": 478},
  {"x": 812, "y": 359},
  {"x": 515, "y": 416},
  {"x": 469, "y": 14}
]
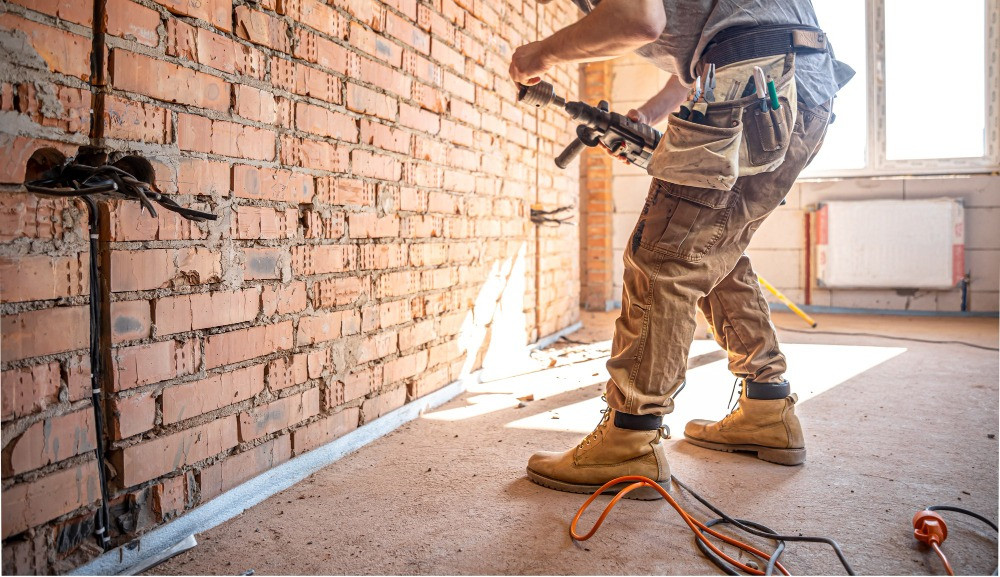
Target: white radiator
[{"x": 890, "y": 244}]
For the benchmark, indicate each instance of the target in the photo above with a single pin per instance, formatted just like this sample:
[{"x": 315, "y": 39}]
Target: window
[{"x": 924, "y": 72}]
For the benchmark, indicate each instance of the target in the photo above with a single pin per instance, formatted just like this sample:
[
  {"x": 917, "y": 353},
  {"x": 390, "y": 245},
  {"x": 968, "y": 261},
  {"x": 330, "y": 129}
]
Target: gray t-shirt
[{"x": 691, "y": 25}]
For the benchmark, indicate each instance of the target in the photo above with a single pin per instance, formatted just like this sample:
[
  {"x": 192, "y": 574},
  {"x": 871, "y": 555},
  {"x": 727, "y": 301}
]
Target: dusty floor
[{"x": 891, "y": 426}]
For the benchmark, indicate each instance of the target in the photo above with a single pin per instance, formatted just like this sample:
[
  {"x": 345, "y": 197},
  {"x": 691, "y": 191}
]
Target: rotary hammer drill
[{"x": 630, "y": 141}]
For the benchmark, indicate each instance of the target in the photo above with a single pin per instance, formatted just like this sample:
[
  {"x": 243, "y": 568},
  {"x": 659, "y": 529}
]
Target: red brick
[
  {"x": 394, "y": 313},
  {"x": 335, "y": 292},
  {"x": 375, "y": 165},
  {"x": 271, "y": 184},
  {"x": 385, "y": 137},
  {"x": 278, "y": 415},
  {"x": 244, "y": 466},
  {"x": 255, "y": 104},
  {"x": 447, "y": 56},
  {"x": 285, "y": 372},
  {"x": 144, "y": 364},
  {"x": 205, "y": 310},
  {"x": 432, "y": 99},
  {"x": 165, "y": 81},
  {"x": 29, "y": 504},
  {"x": 318, "y": 362},
  {"x": 170, "y": 497},
  {"x": 226, "y": 138},
  {"x": 418, "y": 119},
  {"x": 428, "y": 382},
  {"x": 78, "y": 377},
  {"x": 403, "y": 30},
  {"x": 366, "y": 12},
  {"x": 182, "y": 40},
  {"x": 325, "y": 430},
  {"x": 381, "y": 256},
  {"x": 244, "y": 344},
  {"x": 256, "y": 222},
  {"x": 375, "y": 45},
  {"x": 370, "y": 225},
  {"x": 79, "y": 12},
  {"x": 133, "y": 415},
  {"x": 389, "y": 79},
  {"x": 263, "y": 263},
  {"x": 316, "y": 15},
  {"x": 137, "y": 121},
  {"x": 318, "y": 50},
  {"x": 323, "y": 224},
  {"x": 188, "y": 400},
  {"x": 315, "y": 154},
  {"x": 359, "y": 384},
  {"x": 322, "y": 259},
  {"x": 319, "y": 327},
  {"x": 284, "y": 299},
  {"x": 416, "y": 335},
  {"x": 198, "y": 176},
  {"x": 44, "y": 332},
  {"x": 63, "y": 51},
  {"x": 18, "y": 211},
  {"x": 317, "y": 120},
  {"x": 139, "y": 463},
  {"x": 397, "y": 284},
  {"x": 158, "y": 268},
  {"x": 29, "y": 278},
  {"x": 130, "y": 320},
  {"x": 344, "y": 191},
  {"x": 133, "y": 22},
  {"x": 29, "y": 390},
  {"x": 52, "y": 440},
  {"x": 260, "y": 28},
  {"x": 367, "y": 101},
  {"x": 375, "y": 407},
  {"x": 318, "y": 84},
  {"x": 376, "y": 347},
  {"x": 218, "y": 12}
]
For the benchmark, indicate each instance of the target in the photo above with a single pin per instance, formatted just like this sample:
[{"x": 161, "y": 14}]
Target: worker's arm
[
  {"x": 613, "y": 28},
  {"x": 667, "y": 100}
]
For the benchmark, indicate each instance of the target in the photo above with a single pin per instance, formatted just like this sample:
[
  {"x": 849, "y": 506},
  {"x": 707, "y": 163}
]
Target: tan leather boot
[
  {"x": 767, "y": 427},
  {"x": 605, "y": 454}
]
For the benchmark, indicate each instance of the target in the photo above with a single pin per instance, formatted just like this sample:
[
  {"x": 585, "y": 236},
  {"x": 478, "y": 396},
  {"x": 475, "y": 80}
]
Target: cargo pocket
[{"x": 686, "y": 222}]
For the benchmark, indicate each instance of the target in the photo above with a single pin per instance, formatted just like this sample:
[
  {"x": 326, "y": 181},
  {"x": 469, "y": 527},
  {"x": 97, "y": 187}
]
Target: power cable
[{"x": 893, "y": 337}]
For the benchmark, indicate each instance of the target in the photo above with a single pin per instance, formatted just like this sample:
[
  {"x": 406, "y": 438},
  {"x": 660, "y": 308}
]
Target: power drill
[{"x": 630, "y": 141}]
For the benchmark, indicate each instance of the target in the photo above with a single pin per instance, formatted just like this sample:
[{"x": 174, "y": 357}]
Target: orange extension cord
[{"x": 696, "y": 526}]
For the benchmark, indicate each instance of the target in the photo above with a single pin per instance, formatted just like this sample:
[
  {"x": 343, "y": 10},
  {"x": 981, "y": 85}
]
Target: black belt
[{"x": 748, "y": 42}]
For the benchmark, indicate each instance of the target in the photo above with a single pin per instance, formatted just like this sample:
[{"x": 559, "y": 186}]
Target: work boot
[
  {"x": 763, "y": 422},
  {"x": 622, "y": 444}
]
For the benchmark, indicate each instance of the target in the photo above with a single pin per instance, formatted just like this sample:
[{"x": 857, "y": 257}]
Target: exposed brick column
[{"x": 596, "y": 203}]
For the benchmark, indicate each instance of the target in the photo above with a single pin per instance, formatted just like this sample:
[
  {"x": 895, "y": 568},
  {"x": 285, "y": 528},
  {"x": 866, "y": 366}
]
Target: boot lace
[
  {"x": 734, "y": 402},
  {"x": 605, "y": 415}
]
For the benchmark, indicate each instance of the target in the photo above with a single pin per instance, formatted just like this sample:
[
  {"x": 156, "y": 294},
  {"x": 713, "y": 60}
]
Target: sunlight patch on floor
[{"x": 813, "y": 369}]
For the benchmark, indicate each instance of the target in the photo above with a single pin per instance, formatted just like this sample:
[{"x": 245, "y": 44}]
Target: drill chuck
[{"x": 539, "y": 95}]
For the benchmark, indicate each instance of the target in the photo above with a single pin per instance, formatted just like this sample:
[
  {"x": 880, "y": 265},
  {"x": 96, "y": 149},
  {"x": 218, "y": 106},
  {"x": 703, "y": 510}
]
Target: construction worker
[{"x": 687, "y": 250}]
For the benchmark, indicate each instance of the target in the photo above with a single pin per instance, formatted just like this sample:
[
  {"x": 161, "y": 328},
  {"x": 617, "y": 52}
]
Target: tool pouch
[{"x": 736, "y": 138}]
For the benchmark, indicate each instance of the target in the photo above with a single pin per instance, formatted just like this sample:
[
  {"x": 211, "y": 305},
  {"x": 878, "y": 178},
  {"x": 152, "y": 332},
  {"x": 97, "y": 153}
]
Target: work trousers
[{"x": 687, "y": 251}]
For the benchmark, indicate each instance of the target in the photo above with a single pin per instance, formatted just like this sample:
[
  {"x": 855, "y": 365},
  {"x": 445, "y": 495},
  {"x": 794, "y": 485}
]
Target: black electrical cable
[
  {"x": 972, "y": 514},
  {"x": 893, "y": 337},
  {"x": 761, "y": 533},
  {"x": 728, "y": 568}
]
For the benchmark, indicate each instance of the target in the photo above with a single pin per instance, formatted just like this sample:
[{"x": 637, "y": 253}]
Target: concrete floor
[{"x": 891, "y": 426}]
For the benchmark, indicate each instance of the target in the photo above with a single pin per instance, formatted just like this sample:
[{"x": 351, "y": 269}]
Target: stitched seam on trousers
[
  {"x": 630, "y": 396},
  {"x": 709, "y": 245},
  {"x": 746, "y": 350},
  {"x": 762, "y": 304}
]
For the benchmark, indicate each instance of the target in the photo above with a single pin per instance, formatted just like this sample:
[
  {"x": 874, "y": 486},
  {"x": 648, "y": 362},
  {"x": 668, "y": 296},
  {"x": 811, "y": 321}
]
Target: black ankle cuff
[
  {"x": 638, "y": 422},
  {"x": 768, "y": 391}
]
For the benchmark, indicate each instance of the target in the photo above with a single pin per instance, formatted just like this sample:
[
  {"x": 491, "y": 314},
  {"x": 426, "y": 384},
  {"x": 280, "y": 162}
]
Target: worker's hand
[
  {"x": 528, "y": 63},
  {"x": 637, "y": 116}
]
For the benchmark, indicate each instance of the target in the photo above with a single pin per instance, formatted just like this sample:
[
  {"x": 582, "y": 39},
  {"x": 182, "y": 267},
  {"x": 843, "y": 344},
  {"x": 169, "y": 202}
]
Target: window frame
[{"x": 876, "y": 162}]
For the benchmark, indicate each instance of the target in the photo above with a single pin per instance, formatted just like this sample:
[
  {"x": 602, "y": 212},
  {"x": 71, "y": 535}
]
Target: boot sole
[
  {"x": 641, "y": 494},
  {"x": 788, "y": 457}
]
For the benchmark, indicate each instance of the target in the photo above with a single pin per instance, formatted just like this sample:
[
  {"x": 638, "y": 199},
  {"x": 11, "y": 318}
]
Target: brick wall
[{"x": 372, "y": 174}]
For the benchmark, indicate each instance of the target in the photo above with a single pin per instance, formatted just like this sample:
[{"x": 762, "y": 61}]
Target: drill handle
[{"x": 570, "y": 153}]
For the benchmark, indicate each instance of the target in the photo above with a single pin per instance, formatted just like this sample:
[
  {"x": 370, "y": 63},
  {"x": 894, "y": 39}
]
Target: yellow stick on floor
[{"x": 788, "y": 303}]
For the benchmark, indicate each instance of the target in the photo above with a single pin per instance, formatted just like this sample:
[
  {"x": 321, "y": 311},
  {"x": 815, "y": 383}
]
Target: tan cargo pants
[{"x": 687, "y": 251}]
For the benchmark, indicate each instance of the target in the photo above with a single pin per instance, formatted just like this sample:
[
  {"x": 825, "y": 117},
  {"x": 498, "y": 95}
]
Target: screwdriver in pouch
[{"x": 761, "y": 84}]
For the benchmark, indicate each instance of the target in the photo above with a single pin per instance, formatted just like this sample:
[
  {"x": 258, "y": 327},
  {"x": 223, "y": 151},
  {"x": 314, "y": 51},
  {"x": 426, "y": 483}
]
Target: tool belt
[{"x": 736, "y": 134}]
